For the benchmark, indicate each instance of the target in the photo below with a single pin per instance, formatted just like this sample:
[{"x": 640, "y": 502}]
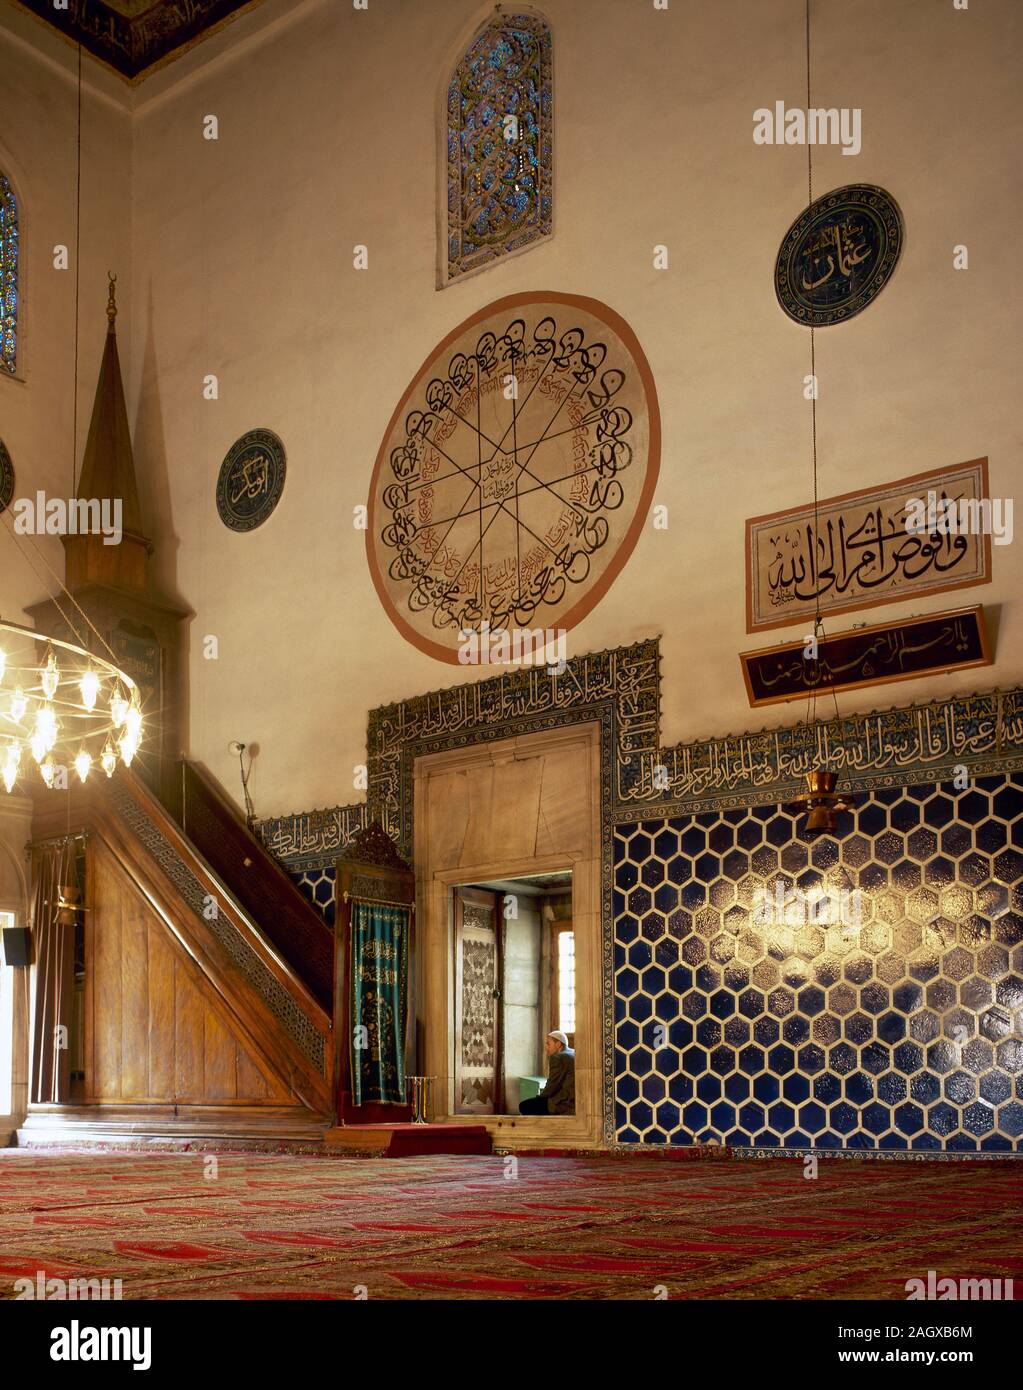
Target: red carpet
[{"x": 279, "y": 1226}]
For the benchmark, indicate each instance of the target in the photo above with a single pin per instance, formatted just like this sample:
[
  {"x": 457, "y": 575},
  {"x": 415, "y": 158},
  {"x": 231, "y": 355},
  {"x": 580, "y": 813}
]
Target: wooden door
[{"x": 479, "y": 1066}]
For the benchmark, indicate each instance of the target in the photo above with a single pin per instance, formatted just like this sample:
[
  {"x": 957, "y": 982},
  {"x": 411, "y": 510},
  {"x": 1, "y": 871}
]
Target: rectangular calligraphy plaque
[
  {"x": 868, "y": 656},
  {"x": 862, "y": 553}
]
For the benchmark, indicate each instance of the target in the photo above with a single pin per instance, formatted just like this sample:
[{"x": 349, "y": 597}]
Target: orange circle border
[{"x": 626, "y": 546}]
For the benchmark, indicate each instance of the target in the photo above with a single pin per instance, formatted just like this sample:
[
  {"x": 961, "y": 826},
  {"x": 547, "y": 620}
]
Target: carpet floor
[{"x": 176, "y": 1226}]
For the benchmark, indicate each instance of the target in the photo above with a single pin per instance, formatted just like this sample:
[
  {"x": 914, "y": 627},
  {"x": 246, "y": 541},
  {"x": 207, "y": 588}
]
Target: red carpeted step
[{"x": 409, "y": 1140}]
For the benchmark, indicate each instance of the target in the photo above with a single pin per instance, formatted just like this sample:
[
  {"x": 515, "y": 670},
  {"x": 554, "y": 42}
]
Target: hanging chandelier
[{"x": 62, "y": 708}]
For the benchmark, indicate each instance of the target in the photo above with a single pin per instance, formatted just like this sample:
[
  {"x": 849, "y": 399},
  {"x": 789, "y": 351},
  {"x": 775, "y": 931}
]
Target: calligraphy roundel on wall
[
  {"x": 838, "y": 255},
  {"x": 516, "y": 473},
  {"x": 251, "y": 480},
  {"x": 6, "y": 477}
]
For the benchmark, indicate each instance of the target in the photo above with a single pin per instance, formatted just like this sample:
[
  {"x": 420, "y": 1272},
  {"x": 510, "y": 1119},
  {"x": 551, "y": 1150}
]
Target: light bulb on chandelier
[
  {"x": 12, "y": 761},
  {"x": 108, "y": 762},
  {"x": 50, "y": 674},
  {"x": 89, "y": 686},
  {"x": 118, "y": 706}
]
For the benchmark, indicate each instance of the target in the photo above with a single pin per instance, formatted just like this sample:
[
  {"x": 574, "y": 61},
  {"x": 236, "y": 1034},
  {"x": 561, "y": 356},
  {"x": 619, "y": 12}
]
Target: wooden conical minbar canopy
[
  {"x": 111, "y": 583},
  {"x": 108, "y": 472}
]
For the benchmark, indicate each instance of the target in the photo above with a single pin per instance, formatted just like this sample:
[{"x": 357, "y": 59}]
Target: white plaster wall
[
  {"x": 38, "y": 136},
  {"x": 328, "y": 137}
]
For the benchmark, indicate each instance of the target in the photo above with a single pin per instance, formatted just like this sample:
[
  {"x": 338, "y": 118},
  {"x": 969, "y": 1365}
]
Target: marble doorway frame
[{"x": 578, "y": 847}]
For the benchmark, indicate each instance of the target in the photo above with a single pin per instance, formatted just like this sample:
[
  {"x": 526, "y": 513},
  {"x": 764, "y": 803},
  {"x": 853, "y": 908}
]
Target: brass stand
[{"x": 419, "y": 1097}]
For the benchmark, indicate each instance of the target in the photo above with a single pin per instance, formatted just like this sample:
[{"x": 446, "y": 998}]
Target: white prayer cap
[{"x": 559, "y": 1036}]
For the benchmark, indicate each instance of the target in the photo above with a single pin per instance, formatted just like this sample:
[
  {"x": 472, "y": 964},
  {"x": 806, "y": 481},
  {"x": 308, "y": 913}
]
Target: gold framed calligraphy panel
[
  {"x": 899, "y": 651},
  {"x": 862, "y": 550}
]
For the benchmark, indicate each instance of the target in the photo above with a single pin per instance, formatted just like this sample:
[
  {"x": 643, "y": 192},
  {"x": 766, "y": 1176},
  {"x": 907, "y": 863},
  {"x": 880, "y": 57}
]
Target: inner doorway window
[
  {"x": 563, "y": 980},
  {"x": 514, "y": 977}
]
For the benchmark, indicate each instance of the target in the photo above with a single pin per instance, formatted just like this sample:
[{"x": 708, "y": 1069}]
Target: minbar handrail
[
  {"x": 263, "y": 889},
  {"x": 193, "y": 856}
]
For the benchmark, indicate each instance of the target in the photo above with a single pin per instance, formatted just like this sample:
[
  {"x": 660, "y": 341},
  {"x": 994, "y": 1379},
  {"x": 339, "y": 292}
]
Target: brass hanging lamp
[{"x": 822, "y": 801}]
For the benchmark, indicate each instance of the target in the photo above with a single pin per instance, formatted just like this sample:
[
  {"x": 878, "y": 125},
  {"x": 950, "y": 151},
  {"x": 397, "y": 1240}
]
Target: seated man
[{"x": 558, "y": 1096}]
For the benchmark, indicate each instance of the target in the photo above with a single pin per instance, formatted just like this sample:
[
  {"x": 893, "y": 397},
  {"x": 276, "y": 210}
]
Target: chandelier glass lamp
[{"x": 62, "y": 708}]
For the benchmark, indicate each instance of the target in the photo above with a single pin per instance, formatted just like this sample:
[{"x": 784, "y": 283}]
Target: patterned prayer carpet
[{"x": 285, "y": 1226}]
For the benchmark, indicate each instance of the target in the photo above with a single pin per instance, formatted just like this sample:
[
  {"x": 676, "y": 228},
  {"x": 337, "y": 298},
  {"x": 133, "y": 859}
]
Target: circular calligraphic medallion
[
  {"x": 6, "y": 477},
  {"x": 516, "y": 473},
  {"x": 251, "y": 480},
  {"x": 839, "y": 254}
]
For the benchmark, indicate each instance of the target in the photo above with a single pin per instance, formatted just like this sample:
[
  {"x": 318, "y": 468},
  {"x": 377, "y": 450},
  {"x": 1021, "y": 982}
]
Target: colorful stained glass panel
[{"x": 500, "y": 108}]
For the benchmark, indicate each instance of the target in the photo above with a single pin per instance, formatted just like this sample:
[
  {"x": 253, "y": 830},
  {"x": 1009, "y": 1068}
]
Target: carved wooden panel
[
  {"x": 156, "y": 1030},
  {"x": 477, "y": 1017}
]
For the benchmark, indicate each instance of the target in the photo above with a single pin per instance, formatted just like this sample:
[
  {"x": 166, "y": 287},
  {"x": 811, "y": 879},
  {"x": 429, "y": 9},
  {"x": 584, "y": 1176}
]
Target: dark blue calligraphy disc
[
  {"x": 839, "y": 254},
  {"x": 6, "y": 477},
  {"x": 251, "y": 480}
]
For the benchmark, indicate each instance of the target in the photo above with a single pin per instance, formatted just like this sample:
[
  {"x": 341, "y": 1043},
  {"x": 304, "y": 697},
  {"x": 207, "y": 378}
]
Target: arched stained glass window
[
  {"x": 500, "y": 143},
  {"x": 8, "y": 275}
]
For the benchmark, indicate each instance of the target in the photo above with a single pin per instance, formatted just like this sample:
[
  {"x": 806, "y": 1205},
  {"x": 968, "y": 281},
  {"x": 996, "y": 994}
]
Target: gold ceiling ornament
[{"x": 63, "y": 709}]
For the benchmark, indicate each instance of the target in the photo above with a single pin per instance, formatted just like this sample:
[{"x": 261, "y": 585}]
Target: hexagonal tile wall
[
  {"x": 862, "y": 992},
  {"x": 317, "y": 885}
]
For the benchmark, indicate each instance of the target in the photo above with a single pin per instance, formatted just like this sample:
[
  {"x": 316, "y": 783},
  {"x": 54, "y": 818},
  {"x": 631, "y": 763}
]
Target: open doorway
[
  {"x": 514, "y": 978},
  {"x": 485, "y": 814}
]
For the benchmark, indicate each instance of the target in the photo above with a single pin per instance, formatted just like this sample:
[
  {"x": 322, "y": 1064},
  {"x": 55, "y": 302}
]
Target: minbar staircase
[{"x": 209, "y": 980}]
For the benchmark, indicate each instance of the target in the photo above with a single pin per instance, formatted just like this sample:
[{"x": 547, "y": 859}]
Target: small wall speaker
[{"x": 15, "y": 943}]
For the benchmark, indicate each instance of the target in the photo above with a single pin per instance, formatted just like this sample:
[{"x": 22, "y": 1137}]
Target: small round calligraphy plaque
[
  {"x": 838, "y": 255},
  {"x": 251, "y": 480},
  {"x": 6, "y": 477},
  {"x": 516, "y": 473}
]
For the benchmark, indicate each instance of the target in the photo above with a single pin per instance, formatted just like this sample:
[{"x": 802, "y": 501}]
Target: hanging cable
[
  {"x": 811, "y": 699},
  {"x": 78, "y": 284},
  {"x": 818, "y": 622},
  {"x": 78, "y": 272}
]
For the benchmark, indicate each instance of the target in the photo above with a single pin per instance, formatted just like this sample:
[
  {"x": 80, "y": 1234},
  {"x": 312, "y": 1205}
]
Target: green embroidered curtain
[{"x": 379, "y": 994}]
